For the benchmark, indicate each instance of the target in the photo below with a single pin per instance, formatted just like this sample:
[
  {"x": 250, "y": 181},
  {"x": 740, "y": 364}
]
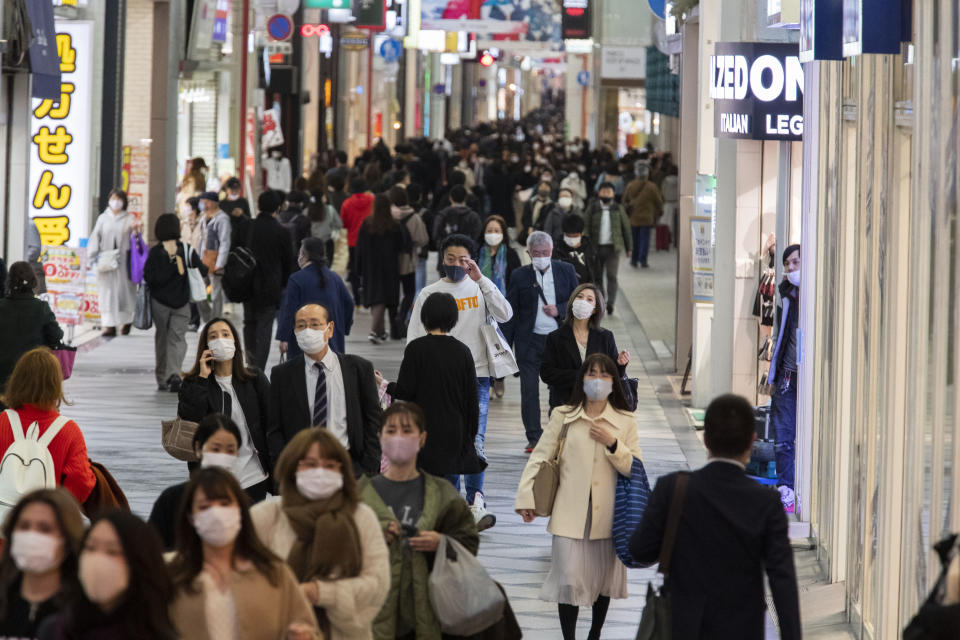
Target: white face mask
[
  {"x": 116, "y": 204},
  {"x": 217, "y": 526},
  {"x": 233, "y": 196},
  {"x": 583, "y": 309},
  {"x": 277, "y": 154},
  {"x": 222, "y": 348},
  {"x": 312, "y": 341},
  {"x": 202, "y": 205},
  {"x": 35, "y": 552},
  {"x": 319, "y": 483},
  {"x": 103, "y": 577},
  {"x": 597, "y": 388},
  {"x": 493, "y": 239},
  {"x": 794, "y": 278},
  {"x": 565, "y": 202},
  {"x": 221, "y": 460},
  {"x": 571, "y": 241},
  {"x": 541, "y": 264}
]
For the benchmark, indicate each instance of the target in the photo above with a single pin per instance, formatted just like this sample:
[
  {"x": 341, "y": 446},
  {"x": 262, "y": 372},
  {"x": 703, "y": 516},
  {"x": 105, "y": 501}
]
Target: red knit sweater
[
  {"x": 68, "y": 449},
  {"x": 353, "y": 212}
]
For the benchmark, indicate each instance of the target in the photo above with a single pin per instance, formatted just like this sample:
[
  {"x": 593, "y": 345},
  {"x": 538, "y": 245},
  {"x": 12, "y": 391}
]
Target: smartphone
[{"x": 409, "y": 530}]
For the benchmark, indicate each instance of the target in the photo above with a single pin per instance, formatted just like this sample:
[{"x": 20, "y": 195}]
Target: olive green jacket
[
  {"x": 620, "y": 234},
  {"x": 444, "y": 511}
]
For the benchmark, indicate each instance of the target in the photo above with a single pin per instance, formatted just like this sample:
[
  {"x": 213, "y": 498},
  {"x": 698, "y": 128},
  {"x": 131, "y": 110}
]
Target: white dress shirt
[
  {"x": 545, "y": 325},
  {"x": 336, "y": 397}
]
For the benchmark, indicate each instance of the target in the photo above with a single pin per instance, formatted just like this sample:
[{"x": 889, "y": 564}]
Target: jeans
[
  {"x": 783, "y": 416},
  {"x": 608, "y": 262},
  {"x": 408, "y": 283},
  {"x": 258, "y": 333},
  {"x": 169, "y": 342},
  {"x": 641, "y": 245},
  {"x": 421, "y": 280},
  {"x": 474, "y": 481},
  {"x": 529, "y": 352}
]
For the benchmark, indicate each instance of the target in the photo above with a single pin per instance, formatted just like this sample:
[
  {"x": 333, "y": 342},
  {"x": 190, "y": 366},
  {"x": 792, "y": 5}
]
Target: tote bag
[
  {"x": 630, "y": 501},
  {"x": 143, "y": 314},
  {"x": 198, "y": 290},
  {"x": 465, "y": 598},
  {"x": 500, "y": 357},
  {"x": 137, "y": 257}
]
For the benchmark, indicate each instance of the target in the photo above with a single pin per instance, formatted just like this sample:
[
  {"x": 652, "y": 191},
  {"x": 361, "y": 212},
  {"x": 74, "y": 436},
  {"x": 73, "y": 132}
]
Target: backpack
[
  {"x": 27, "y": 465},
  {"x": 238, "y": 275}
]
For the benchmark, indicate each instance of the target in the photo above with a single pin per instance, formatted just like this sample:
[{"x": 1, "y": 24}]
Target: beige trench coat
[{"x": 587, "y": 469}]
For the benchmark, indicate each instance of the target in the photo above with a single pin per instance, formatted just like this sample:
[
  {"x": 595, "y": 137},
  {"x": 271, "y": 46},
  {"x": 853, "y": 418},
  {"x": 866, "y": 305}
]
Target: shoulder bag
[
  {"x": 547, "y": 480},
  {"x": 177, "y": 438},
  {"x": 198, "y": 290},
  {"x": 655, "y": 621}
]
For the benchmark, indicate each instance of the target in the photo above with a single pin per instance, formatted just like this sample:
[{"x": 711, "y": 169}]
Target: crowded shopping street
[{"x": 479, "y": 319}]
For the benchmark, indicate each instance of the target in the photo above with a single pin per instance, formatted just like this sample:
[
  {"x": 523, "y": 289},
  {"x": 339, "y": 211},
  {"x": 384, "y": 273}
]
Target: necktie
[{"x": 320, "y": 399}]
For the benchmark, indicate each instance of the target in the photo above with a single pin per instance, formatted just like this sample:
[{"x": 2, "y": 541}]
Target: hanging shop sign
[
  {"x": 757, "y": 89},
  {"x": 875, "y": 26},
  {"x": 355, "y": 42},
  {"x": 700, "y": 238},
  {"x": 575, "y": 19},
  {"x": 623, "y": 63},
  {"x": 370, "y": 14},
  {"x": 220, "y": 21},
  {"x": 61, "y": 144},
  {"x": 43, "y": 51},
  {"x": 821, "y": 30},
  {"x": 64, "y": 272},
  {"x": 327, "y": 4}
]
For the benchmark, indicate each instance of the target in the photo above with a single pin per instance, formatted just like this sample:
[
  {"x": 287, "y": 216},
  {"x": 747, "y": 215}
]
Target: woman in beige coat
[
  {"x": 331, "y": 540},
  {"x": 601, "y": 441}
]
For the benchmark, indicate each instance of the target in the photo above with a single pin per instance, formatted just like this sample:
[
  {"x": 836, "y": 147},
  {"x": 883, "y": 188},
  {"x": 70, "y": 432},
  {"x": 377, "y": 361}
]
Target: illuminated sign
[
  {"x": 318, "y": 30},
  {"x": 575, "y": 19},
  {"x": 757, "y": 90},
  {"x": 61, "y": 143}
]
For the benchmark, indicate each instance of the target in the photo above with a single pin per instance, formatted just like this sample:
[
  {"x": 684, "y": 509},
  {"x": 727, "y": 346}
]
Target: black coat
[
  {"x": 379, "y": 255},
  {"x": 227, "y": 206},
  {"x": 439, "y": 375},
  {"x": 270, "y": 245},
  {"x": 164, "y": 514},
  {"x": 583, "y": 259},
  {"x": 732, "y": 530},
  {"x": 561, "y": 362},
  {"x": 523, "y": 293},
  {"x": 200, "y": 397},
  {"x": 291, "y": 413},
  {"x": 25, "y": 322},
  {"x": 456, "y": 218},
  {"x": 297, "y": 226},
  {"x": 167, "y": 285},
  {"x": 239, "y": 230}
]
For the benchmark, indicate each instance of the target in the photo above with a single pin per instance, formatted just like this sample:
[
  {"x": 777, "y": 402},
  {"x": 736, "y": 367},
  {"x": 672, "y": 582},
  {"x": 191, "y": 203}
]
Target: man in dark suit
[
  {"x": 538, "y": 294},
  {"x": 731, "y": 530},
  {"x": 322, "y": 388}
]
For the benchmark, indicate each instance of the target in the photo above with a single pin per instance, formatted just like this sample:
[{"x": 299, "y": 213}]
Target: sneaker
[
  {"x": 481, "y": 516},
  {"x": 787, "y": 497},
  {"x": 529, "y": 448},
  {"x": 374, "y": 338},
  {"x": 383, "y": 337}
]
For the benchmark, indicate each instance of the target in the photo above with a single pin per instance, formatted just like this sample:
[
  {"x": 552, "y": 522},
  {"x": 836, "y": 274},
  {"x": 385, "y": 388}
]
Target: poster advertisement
[
  {"x": 60, "y": 131},
  {"x": 136, "y": 177},
  {"x": 701, "y": 239},
  {"x": 65, "y": 272},
  {"x": 497, "y": 21}
]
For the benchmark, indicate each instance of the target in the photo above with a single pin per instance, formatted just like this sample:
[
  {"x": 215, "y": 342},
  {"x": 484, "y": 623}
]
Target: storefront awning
[{"x": 44, "y": 61}]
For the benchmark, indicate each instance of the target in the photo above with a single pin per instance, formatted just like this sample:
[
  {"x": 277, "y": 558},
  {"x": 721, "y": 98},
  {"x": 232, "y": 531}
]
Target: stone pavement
[{"x": 116, "y": 403}]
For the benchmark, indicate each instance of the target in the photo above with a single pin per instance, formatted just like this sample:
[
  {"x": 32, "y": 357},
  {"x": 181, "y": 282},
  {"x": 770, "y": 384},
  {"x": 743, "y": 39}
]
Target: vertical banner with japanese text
[{"x": 60, "y": 131}]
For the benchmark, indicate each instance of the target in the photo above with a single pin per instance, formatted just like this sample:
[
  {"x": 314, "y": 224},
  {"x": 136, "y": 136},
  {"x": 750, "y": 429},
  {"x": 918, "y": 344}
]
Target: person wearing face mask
[
  {"x": 233, "y": 199},
  {"x": 220, "y": 383},
  {"x": 438, "y": 375},
  {"x": 322, "y": 388},
  {"x": 538, "y": 294},
  {"x": 165, "y": 272},
  {"x": 575, "y": 249},
  {"x": 608, "y": 227},
  {"x": 497, "y": 259},
  {"x": 227, "y": 583},
  {"x": 558, "y": 214},
  {"x": 645, "y": 204},
  {"x": 478, "y": 301},
  {"x": 279, "y": 175},
  {"x": 215, "y": 230},
  {"x": 414, "y": 510},
  {"x": 107, "y": 249},
  {"x": 574, "y": 182},
  {"x": 783, "y": 378},
  {"x": 39, "y": 562},
  {"x": 125, "y": 588},
  {"x": 330, "y": 539},
  {"x": 580, "y": 336},
  {"x": 600, "y": 440},
  {"x": 535, "y": 212},
  {"x": 216, "y": 443}
]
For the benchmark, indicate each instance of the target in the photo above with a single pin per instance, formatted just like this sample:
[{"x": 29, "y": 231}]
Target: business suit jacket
[
  {"x": 561, "y": 362},
  {"x": 524, "y": 296},
  {"x": 290, "y": 412},
  {"x": 732, "y": 529}
]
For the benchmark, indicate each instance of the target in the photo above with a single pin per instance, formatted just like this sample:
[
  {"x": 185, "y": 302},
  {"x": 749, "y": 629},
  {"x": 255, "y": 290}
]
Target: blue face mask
[{"x": 454, "y": 271}]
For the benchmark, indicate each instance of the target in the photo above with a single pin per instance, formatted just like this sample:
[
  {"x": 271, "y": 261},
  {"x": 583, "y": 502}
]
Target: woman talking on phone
[{"x": 220, "y": 383}]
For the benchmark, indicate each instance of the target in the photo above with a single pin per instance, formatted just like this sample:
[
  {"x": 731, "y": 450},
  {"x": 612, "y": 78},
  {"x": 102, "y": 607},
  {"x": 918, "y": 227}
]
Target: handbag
[
  {"x": 137, "y": 257},
  {"x": 209, "y": 258},
  {"x": 500, "y": 357},
  {"x": 630, "y": 502},
  {"x": 630, "y": 391},
  {"x": 143, "y": 314},
  {"x": 655, "y": 622},
  {"x": 547, "y": 480},
  {"x": 464, "y": 597},
  {"x": 198, "y": 290},
  {"x": 108, "y": 261},
  {"x": 177, "y": 438},
  {"x": 65, "y": 355}
]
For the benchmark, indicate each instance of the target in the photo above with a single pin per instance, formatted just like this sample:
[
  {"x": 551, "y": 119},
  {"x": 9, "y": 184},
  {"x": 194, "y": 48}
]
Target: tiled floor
[{"x": 116, "y": 403}]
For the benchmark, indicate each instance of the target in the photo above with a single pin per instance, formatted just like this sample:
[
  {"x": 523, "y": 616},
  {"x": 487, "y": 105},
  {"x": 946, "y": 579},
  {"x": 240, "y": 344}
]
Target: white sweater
[
  {"x": 476, "y": 301},
  {"x": 351, "y": 603}
]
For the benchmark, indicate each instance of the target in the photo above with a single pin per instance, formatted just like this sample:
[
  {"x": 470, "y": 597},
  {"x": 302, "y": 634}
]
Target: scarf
[
  {"x": 495, "y": 269},
  {"x": 328, "y": 543}
]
